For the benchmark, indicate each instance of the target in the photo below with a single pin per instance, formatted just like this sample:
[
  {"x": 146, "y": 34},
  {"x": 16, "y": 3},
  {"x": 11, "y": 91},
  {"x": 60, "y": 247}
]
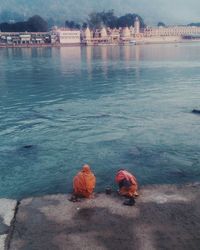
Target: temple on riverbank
[
  {"x": 136, "y": 34},
  {"x": 117, "y": 36}
]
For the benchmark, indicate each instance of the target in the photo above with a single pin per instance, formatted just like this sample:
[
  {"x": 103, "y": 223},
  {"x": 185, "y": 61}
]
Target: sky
[{"x": 153, "y": 11}]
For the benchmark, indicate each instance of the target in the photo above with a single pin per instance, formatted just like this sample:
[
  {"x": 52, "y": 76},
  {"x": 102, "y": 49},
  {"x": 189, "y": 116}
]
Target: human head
[
  {"x": 86, "y": 168},
  {"x": 121, "y": 169}
]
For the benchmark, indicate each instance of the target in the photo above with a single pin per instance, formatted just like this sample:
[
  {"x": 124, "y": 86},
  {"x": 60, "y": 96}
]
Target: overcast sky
[{"x": 170, "y": 11}]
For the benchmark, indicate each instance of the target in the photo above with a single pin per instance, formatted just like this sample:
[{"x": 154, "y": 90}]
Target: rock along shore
[{"x": 164, "y": 217}]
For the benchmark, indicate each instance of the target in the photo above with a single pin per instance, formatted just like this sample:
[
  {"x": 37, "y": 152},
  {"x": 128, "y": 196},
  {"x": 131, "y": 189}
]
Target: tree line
[
  {"x": 95, "y": 20},
  {"x": 101, "y": 19},
  {"x": 194, "y": 24},
  {"x": 33, "y": 24}
]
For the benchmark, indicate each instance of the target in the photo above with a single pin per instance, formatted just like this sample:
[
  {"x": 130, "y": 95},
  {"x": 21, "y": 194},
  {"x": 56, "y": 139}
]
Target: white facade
[
  {"x": 172, "y": 31},
  {"x": 25, "y": 38},
  {"x": 69, "y": 36}
]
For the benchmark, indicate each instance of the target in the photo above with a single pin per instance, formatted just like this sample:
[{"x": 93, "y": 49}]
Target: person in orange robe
[
  {"x": 128, "y": 185},
  {"x": 84, "y": 182}
]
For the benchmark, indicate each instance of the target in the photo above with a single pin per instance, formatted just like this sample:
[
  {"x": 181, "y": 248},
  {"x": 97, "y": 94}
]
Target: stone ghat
[
  {"x": 7, "y": 213},
  {"x": 164, "y": 217}
]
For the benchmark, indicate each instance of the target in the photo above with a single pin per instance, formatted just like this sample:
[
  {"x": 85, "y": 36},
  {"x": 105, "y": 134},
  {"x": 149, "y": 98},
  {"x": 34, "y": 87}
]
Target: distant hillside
[
  {"x": 33, "y": 24},
  {"x": 78, "y": 10},
  {"x": 194, "y": 24},
  {"x": 95, "y": 20},
  {"x": 59, "y": 10}
]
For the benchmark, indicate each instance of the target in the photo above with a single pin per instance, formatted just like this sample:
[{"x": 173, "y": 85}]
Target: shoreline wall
[{"x": 155, "y": 40}]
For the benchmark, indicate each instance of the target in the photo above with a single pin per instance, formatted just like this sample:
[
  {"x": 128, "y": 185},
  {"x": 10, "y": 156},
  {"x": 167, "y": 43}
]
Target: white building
[
  {"x": 69, "y": 36},
  {"x": 171, "y": 31},
  {"x": 25, "y": 38}
]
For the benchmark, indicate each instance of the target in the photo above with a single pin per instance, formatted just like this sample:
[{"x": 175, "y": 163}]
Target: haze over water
[{"x": 111, "y": 107}]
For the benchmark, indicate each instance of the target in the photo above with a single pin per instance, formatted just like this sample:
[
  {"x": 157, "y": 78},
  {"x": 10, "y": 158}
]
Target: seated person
[
  {"x": 127, "y": 185},
  {"x": 84, "y": 183}
]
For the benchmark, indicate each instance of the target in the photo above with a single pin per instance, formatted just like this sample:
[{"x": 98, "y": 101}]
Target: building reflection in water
[
  {"x": 137, "y": 61},
  {"x": 110, "y": 57},
  {"x": 70, "y": 59},
  {"x": 105, "y": 60},
  {"x": 126, "y": 54},
  {"x": 88, "y": 51},
  {"x": 131, "y": 55}
]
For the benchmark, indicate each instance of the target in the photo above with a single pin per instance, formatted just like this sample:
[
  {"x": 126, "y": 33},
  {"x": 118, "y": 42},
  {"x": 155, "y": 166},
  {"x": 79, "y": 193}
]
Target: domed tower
[
  {"x": 126, "y": 32},
  {"x": 87, "y": 34},
  {"x": 137, "y": 25},
  {"x": 103, "y": 33}
]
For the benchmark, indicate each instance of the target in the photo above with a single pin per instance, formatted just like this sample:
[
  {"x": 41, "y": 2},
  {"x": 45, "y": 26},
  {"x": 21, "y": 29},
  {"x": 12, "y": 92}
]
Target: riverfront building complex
[
  {"x": 105, "y": 35},
  {"x": 135, "y": 34}
]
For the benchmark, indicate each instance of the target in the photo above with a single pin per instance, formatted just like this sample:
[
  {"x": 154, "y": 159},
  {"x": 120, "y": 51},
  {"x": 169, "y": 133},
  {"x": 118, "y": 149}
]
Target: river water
[{"x": 112, "y": 107}]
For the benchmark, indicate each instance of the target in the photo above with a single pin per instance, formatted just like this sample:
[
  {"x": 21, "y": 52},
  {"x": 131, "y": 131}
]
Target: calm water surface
[{"x": 111, "y": 107}]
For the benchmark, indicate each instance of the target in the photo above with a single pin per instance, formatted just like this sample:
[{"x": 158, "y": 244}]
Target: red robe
[
  {"x": 84, "y": 182},
  {"x": 130, "y": 190}
]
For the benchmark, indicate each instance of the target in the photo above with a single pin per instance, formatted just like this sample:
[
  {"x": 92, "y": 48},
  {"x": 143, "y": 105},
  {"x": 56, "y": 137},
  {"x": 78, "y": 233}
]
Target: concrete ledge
[
  {"x": 164, "y": 217},
  {"x": 7, "y": 212}
]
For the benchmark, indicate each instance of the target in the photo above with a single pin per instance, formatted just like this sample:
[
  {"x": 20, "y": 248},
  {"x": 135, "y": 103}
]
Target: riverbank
[
  {"x": 139, "y": 42},
  {"x": 38, "y": 45},
  {"x": 164, "y": 217}
]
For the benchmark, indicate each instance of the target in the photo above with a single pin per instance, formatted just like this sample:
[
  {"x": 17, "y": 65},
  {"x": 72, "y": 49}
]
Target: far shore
[{"x": 94, "y": 45}]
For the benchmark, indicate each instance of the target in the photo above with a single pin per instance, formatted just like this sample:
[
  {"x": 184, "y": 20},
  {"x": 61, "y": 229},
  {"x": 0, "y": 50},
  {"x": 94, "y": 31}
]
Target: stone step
[{"x": 7, "y": 213}]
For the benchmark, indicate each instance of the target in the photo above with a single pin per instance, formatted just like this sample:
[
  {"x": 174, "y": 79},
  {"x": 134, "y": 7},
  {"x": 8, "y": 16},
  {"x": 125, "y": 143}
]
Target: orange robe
[
  {"x": 84, "y": 182},
  {"x": 130, "y": 191}
]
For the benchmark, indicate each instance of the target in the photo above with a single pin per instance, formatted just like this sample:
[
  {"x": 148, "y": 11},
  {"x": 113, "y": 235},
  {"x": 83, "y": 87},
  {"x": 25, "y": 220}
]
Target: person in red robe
[
  {"x": 128, "y": 185},
  {"x": 84, "y": 183}
]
